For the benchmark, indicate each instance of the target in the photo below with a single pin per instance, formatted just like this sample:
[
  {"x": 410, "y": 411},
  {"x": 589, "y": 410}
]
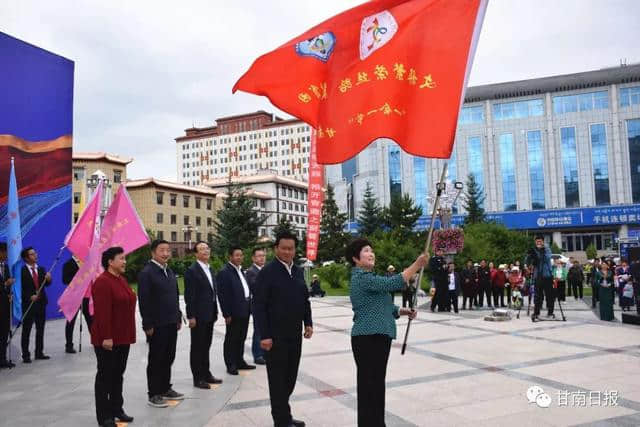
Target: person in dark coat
[
  {"x": 6, "y": 282},
  {"x": 439, "y": 270},
  {"x": 575, "y": 277},
  {"x": 316, "y": 290},
  {"x": 468, "y": 285},
  {"x": 34, "y": 280},
  {"x": 202, "y": 313},
  {"x": 281, "y": 308},
  {"x": 606, "y": 291},
  {"x": 161, "y": 320},
  {"x": 539, "y": 257},
  {"x": 454, "y": 285},
  {"x": 235, "y": 297},
  {"x": 498, "y": 281},
  {"x": 69, "y": 270},
  {"x": 258, "y": 257},
  {"x": 484, "y": 284}
]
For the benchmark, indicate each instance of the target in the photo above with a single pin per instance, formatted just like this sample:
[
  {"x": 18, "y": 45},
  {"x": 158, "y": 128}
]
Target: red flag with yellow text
[{"x": 388, "y": 68}]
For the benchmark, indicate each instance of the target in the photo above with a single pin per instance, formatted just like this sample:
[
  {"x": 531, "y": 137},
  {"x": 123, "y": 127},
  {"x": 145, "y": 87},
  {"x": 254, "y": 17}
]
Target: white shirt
[
  {"x": 452, "y": 281},
  {"x": 207, "y": 272},
  {"x": 242, "y": 279},
  {"x": 163, "y": 267},
  {"x": 287, "y": 266},
  {"x": 257, "y": 266}
]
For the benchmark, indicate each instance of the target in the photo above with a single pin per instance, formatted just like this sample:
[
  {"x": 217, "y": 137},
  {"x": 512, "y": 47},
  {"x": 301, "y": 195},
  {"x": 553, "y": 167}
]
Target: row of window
[
  {"x": 173, "y": 200},
  {"x": 173, "y": 220},
  {"x": 240, "y": 138},
  {"x": 293, "y": 193},
  {"x": 79, "y": 174},
  {"x": 187, "y": 236}
]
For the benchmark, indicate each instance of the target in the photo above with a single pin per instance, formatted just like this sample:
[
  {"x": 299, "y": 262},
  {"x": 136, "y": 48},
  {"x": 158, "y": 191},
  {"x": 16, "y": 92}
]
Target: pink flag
[
  {"x": 121, "y": 227},
  {"x": 87, "y": 229}
]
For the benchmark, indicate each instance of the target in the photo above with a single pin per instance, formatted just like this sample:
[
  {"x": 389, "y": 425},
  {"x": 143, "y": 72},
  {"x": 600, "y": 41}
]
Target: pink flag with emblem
[
  {"x": 87, "y": 229},
  {"x": 121, "y": 227}
]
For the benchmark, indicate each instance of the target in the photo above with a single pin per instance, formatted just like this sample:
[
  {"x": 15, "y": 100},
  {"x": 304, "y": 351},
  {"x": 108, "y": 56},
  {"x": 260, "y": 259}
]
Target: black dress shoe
[
  {"x": 122, "y": 416},
  {"x": 7, "y": 364},
  {"x": 42, "y": 357},
  {"x": 260, "y": 361},
  {"x": 232, "y": 371},
  {"x": 202, "y": 384},
  {"x": 246, "y": 367},
  {"x": 297, "y": 423},
  {"x": 213, "y": 380},
  {"x": 26, "y": 359},
  {"x": 70, "y": 350}
]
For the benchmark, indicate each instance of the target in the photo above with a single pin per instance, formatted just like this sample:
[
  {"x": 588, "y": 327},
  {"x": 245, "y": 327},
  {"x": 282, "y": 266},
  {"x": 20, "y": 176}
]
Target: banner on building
[{"x": 314, "y": 200}]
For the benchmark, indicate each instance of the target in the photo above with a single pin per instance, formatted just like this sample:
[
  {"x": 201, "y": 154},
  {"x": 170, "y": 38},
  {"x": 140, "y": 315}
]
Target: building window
[
  {"x": 159, "y": 217},
  {"x": 570, "y": 167},
  {"x": 474, "y": 146},
  {"x": 469, "y": 115},
  {"x": 78, "y": 174},
  {"x": 75, "y": 217},
  {"x": 198, "y": 221},
  {"x": 633, "y": 133},
  {"x": 600, "y": 163},
  {"x": 209, "y": 204},
  {"x": 172, "y": 199},
  {"x": 160, "y": 235},
  {"x": 77, "y": 197},
  {"x": 198, "y": 237},
  {"x": 174, "y": 219},
  {"x": 420, "y": 182},
  {"x": 198, "y": 202},
  {"x": 209, "y": 237},
  {"x": 159, "y": 197},
  {"x": 507, "y": 169},
  {"x": 209, "y": 221},
  {"x": 629, "y": 96},
  {"x": 536, "y": 168},
  {"x": 185, "y": 201},
  {"x": 582, "y": 102},
  {"x": 186, "y": 220},
  {"x": 174, "y": 236},
  {"x": 518, "y": 109},
  {"x": 117, "y": 176},
  {"x": 395, "y": 171}
]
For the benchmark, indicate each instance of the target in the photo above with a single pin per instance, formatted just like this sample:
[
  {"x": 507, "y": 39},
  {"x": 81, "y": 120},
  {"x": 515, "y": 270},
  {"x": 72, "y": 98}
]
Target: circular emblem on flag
[
  {"x": 376, "y": 31},
  {"x": 320, "y": 47}
]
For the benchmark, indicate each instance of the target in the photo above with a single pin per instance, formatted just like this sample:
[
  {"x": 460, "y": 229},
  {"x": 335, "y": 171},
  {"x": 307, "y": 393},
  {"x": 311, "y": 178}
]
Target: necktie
[{"x": 34, "y": 274}]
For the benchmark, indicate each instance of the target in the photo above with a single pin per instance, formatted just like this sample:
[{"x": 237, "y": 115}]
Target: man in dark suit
[
  {"x": 438, "y": 270},
  {"x": 202, "y": 312},
  {"x": 281, "y": 307},
  {"x": 454, "y": 286},
  {"x": 259, "y": 257},
  {"x": 34, "y": 279},
  {"x": 69, "y": 270},
  {"x": 484, "y": 284},
  {"x": 161, "y": 320},
  {"x": 234, "y": 294},
  {"x": 6, "y": 282}
]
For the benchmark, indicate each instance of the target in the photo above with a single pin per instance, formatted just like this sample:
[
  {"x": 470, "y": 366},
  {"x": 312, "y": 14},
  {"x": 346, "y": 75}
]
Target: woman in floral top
[{"x": 374, "y": 326}]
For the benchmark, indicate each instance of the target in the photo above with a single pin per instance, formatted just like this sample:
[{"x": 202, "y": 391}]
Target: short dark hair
[
  {"x": 195, "y": 247},
  {"x": 256, "y": 249},
  {"x": 539, "y": 237},
  {"x": 110, "y": 255},
  {"x": 3, "y": 246},
  {"x": 233, "y": 248},
  {"x": 25, "y": 252},
  {"x": 286, "y": 235},
  {"x": 354, "y": 248},
  {"x": 156, "y": 243}
]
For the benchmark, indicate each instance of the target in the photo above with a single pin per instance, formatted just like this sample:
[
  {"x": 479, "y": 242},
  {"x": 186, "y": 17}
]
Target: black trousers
[
  {"x": 109, "y": 378},
  {"x": 201, "y": 337},
  {"x": 482, "y": 291},
  {"x": 5, "y": 326},
  {"x": 594, "y": 294},
  {"x": 371, "y": 353},
  {"x": 162, "y": 353},
  {"x": 544, "y": 289},
  {"x": 497, "y": 296},
  {"x": 577, "y": 289},
  {"x": 36, "y": 315},
  {"x": 453, "y": 301},
  {"x": 68, "y": 329},
  {"x": 471, "y": 302},
  {"x": 283, "y": 361},
  {"x": 234, "y": 338},
  {"x": 507, "y": 291},
  {"x": 561, "y": 290}
]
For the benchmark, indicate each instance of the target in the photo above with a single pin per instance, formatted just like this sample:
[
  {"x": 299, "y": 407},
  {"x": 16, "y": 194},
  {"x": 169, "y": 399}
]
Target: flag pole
[{"x": 414, "y": 298}]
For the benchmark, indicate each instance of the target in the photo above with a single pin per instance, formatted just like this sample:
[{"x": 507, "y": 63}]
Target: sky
[{"x": 147, "y": 70}]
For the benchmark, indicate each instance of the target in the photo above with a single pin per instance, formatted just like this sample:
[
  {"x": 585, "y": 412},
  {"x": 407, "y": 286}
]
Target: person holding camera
[
  {"x": 539, "y": 257},
  {"x": 440, "y": 275}
]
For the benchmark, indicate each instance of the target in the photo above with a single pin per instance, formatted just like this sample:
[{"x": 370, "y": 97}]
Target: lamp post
[
  {"x": 189, "y": 228},
  {"x": 92, "y": 184},
  {"x": 448, "y": 198}
]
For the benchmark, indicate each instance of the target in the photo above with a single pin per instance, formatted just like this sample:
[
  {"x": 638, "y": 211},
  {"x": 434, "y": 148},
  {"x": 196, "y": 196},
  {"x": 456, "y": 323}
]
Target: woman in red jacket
[
  {"x": 498, "y": 279},
  {"x": 112, "y": 332}
]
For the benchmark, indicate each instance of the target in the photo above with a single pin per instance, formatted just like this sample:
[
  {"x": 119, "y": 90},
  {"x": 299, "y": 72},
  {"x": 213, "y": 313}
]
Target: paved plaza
[{"x": 459, "y": 370}]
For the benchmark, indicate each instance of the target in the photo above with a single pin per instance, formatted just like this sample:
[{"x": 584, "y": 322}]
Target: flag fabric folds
[
  {"x": 387, "y": 68},
  {"x": 14, "y": 243},
  {"x": 121, "y": 227},
  {"x": 87, "y": 229}
]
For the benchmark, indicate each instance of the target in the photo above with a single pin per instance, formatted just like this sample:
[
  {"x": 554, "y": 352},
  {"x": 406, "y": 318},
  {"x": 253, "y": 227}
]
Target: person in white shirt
[{"x": 453, "y": 283}]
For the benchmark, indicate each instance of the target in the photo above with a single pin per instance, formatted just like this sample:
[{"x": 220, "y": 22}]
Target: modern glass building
[{"x": 558, "y": 155}]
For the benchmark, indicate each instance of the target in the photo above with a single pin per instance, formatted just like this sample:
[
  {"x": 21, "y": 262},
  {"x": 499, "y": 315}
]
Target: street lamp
[
  {"x": 92, "y": 184},
  {"x": 448, "y": 198},
  {"x": 189, "y": 229}
]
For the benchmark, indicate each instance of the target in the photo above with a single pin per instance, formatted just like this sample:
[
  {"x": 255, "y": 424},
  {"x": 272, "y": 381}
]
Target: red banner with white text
[{"x": 314, "y": 200}]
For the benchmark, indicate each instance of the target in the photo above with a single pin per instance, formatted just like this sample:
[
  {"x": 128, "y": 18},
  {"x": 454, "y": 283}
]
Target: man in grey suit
[{"x": 259, "y": 257}]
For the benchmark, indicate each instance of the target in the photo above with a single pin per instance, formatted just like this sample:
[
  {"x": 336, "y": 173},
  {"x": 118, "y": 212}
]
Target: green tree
[
  {"x": 473, "y": 200},
  {"x": 370, "y": 218},
  {"x": 137, "y": 259},
  {"x": 493, "y": 242},
  {"x": 335, "y": 275},
  {"x": 402, "y": 214},
  {"x": 392, "y": 248},
  {"x": 283, "y": 225},
  {"x": 333, "y": 239},
  {"x": 555, "y": 249},
  {"x": 591, "y": 251},
  {"x": 237, "y": 222}
]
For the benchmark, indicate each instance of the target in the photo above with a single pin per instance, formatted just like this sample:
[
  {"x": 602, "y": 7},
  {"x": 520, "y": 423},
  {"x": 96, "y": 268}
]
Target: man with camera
[
  {"x": 439, "y": 273},
  {"x": 539, "y": 258}
]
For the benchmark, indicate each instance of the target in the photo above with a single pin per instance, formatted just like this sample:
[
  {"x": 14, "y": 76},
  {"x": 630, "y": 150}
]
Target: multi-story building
[
  {"x": 87, "y": 164},
  {"x": 243, "y": 145},
  {"x": 285, "y": 197},
  {"x": 557, "y": 155}
]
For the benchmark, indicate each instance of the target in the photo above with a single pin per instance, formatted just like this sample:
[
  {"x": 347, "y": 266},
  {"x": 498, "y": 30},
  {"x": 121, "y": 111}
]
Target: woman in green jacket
[
  {"x": 374, "y": 326},
  {"x": 606, "y": 289},
  {"x": 559, "y": 272}
]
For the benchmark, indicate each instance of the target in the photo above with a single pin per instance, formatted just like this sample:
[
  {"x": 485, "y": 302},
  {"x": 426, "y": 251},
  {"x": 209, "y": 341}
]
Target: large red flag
[{"x": 387, "y": 68}]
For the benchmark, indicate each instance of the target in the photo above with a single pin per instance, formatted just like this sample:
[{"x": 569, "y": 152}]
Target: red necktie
[{"x": 34, "y": 274}]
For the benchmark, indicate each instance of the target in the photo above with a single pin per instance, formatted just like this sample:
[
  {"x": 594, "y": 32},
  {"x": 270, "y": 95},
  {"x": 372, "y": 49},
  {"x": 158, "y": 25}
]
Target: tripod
[{"x": 535, "y": 318}]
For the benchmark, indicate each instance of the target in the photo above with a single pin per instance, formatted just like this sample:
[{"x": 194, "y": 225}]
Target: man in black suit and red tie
[
  {"x": 34, "y": 280},
  {"x": 235, "y": 297},
  {"x": 6, "y": 281},
  {"x": 202, "y": 312}
]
